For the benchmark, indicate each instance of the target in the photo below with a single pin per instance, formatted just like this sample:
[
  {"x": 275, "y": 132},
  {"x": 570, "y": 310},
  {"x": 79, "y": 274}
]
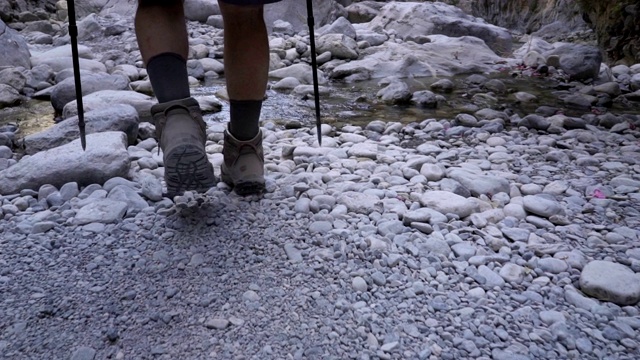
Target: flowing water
[{"x": 351, "y": 104}]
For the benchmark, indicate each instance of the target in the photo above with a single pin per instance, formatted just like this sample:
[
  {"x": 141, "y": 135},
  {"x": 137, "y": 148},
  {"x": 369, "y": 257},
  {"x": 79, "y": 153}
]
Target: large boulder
[
  {"x": 65, "y": 51},
  {"x": 65, "y": 91},
  {"x": 14, "y": 78},
  {"x": 5, "y": 11},
  {"x": 340, "y": 46},
  {"x": 528, "y": 16},
  {"x": 295, "y": 12},
  {"x": 89, "y": 28},
  {"x": 106, "y": 157},
  {"x": 107, "y": 98},
  {"x": 118, "y": 117},
  {"x": 411, "y": 20},
  {"x": 363, "y": 12},
  {"x": 59, "y": 64},
  {"x": 442, "y": 57},
  {"x": 14, "y": 51},
  {"x": 9, "y": 96},
  {"x": 580, "y": 62},
  {"x": 125, "y": 8},
  {"x": 200, "y": 10}
]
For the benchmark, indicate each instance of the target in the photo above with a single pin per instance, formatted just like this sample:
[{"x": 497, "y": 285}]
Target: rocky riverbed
[{"x": 451, "y": 212}]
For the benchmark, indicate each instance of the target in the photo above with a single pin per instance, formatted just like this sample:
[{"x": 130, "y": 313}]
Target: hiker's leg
[
  {"x": 180, "y": 130},
  {"x": 246, "y": 61},
  {"x": 162, "y": 38}
]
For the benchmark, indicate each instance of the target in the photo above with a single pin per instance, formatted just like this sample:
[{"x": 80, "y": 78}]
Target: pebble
[
  {"x": 512, "y": 273},
  {"x": 217, "y": 324},
  {"x": 542, "y": 206},
  {"x": 552, "y": 265},
  {"x": 359, "y": 284},
  {"x": 294, "y": 255},
  {"x": 378, "y": 278},
  {"x": 84, "y": 353},
  {"x": 492, "y": 278},
  {"x": 550, "y": 317},
  {"x": 251, "y": 295}
]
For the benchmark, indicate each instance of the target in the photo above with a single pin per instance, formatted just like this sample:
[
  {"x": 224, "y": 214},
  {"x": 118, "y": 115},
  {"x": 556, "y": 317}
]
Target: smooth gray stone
[
  {"x": 608, "y": 281},
  {"x": 542, "y": 206},
  {"x": 449, "y": 203},
  {"x": 84, "y": 353},
  {"x": 105, "y": 157},
  {"x": 118, "y": 117},
  {"x": 104, "y": 211}
]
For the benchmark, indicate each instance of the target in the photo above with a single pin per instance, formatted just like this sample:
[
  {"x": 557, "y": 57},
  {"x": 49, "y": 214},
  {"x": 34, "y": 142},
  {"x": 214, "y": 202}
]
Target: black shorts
[{"x": 248, "y": 2}]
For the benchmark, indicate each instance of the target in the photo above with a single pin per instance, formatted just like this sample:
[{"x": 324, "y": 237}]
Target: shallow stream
[{"x": 352, "y": 104}]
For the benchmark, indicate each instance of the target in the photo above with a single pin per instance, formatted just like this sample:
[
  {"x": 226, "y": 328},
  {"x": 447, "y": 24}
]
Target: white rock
[
  {"x": 359, "y": 202},
  {"x": 610, "y": 281},
  {"x": 433, "y": 172},
  {"x": 479, "y": 184},
  {"x": 542, "y": 206},
  {"x": 101, "y": 211},
  {"x": 512, "y": 273},
  {"x": 106, "y": 157},
  {"x": 449, "y": 203}
]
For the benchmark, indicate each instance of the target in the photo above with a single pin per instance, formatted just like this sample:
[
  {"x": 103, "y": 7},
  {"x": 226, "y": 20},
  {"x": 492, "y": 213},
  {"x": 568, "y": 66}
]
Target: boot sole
[
  {"x": 187, "y": 168},
  {"x": 244, "y": 188}
]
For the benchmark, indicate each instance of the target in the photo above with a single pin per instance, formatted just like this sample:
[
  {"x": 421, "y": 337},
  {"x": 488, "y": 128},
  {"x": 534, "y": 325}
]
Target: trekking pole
[
  {"x": 73, "y": 32},
  {"x": 314, "y": 68}
]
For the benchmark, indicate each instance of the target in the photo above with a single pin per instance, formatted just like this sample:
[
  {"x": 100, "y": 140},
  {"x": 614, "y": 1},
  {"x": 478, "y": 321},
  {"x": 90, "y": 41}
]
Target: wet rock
[
  {"x": 443, "y": 85},
  {"x": 425, "y": 99},
  {"x": 535, "y": 122},
  {"x": 302, "y": 72},
  {"x": 395, "y": 93},
  {"x": 580, "y": 62},
  {"x": 9, "y": 96}
]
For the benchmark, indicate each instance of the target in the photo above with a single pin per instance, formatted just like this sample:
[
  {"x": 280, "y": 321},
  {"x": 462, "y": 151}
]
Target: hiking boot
[
  {"x": 243, "y": 166},
  {"x": 181, "y": 132}
]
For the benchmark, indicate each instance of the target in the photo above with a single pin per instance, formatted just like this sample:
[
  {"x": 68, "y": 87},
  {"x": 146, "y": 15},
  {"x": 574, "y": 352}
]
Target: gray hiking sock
[
  {"x": 169, "y": 77},
  {"x": 245, "y": 119}
]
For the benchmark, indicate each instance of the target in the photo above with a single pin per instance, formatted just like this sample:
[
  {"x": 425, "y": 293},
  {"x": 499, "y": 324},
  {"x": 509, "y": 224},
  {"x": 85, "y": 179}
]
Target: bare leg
[
  {"x": 246, "y": 51},
  {"x": 162, "y": 37},
  {"x": 160, "y": 28},
  {"x": 246, "y": 62}
]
